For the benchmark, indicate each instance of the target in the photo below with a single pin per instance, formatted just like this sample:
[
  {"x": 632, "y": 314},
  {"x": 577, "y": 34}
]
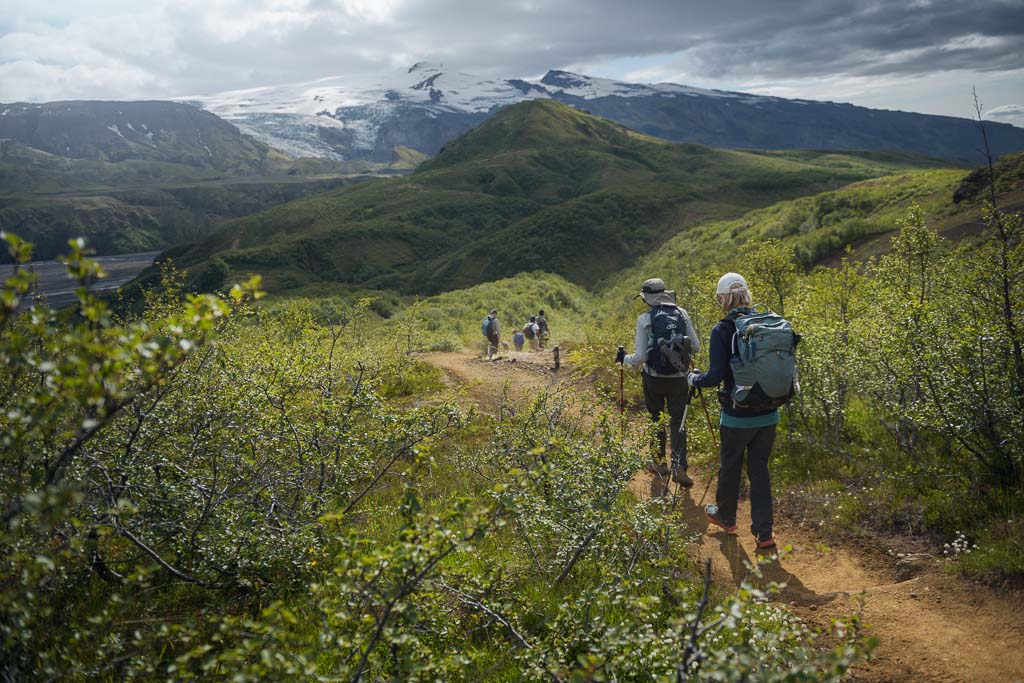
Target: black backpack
[
  {"x": 528, "y": 331},
  {"x": 669, "y": 352}
]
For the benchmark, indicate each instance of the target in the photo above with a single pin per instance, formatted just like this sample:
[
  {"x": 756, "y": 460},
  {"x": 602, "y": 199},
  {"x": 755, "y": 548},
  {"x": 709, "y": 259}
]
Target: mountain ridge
[
  {"x": 425, "y": 106},
  {"x": 150, "y": 130}
]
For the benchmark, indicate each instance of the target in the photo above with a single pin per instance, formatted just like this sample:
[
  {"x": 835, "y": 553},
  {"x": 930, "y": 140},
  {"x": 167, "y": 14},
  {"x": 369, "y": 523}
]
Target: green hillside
[
  {"x": 817, "y": 229},
  {"x": 928, "y": 295},
  {"x": 142, "y": 205},
  {"x": 540, "y": 186}
]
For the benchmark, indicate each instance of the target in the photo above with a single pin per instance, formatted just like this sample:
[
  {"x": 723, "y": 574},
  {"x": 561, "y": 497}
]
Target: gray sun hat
[{"x": 653, "y": 293}]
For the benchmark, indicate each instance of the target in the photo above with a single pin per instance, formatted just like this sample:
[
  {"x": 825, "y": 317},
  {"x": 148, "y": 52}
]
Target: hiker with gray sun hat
[{"x": 665, "y": 343}]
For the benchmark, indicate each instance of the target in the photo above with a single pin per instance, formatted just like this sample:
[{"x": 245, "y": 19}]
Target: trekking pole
[
  {"x": 714, "y": 440},
  {"x": 707, "y": 416},
  {"x": 711, "y": 429},
  {"x": 622, "y": 388}
]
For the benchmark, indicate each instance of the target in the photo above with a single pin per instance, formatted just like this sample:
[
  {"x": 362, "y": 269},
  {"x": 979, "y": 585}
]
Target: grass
[{"x": 452, "y": 319}]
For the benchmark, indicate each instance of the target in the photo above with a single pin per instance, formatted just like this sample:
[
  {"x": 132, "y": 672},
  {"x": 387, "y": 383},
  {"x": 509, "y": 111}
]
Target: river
[{"x": 60, "y": 289}]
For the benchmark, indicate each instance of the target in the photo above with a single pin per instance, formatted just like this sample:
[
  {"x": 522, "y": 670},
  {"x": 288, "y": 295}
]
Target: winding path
[{"x": 930, "y": 625}]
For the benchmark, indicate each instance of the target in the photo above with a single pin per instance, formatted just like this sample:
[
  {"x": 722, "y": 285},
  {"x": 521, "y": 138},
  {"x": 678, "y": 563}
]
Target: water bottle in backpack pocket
[{"x": 763, "y": 361}]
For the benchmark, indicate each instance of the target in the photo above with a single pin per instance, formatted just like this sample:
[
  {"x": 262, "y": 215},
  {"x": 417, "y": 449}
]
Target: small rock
[
  {"x": 913, "y": 595},
  {"x": 813, "y": 608}
]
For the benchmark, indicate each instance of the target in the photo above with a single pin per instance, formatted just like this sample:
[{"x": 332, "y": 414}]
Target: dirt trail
[{"x": 930, "y": 626}]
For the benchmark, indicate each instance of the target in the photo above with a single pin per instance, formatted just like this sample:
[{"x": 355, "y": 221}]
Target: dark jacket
[{"x": 720, "y": 371}]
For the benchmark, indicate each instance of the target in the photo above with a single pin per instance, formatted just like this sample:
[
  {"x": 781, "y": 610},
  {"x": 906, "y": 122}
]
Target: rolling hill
[{"x": 540, "y": 185}]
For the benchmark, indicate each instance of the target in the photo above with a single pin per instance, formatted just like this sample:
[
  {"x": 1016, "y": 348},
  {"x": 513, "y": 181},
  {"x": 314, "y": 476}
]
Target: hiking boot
[
  {"x": 711, "y": 511},
  {"x": 659, "y": 469},
  {"x": 766, "y": 544},
  {"x": 680, "y": 477}
]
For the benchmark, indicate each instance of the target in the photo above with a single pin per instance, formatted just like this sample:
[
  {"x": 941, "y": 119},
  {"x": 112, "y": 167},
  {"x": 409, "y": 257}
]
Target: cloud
[
  {"x": 167, "y": 48},
  {"x": 1008, "y": 113}
]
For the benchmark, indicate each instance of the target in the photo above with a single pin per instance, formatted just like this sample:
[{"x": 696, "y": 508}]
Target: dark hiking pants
[
  {"x": 671, "y": 393},
  {"x": 756, "y": 443}
]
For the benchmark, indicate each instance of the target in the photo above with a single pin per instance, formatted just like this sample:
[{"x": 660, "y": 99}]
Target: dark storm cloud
[
  {"x": 863, "y": 39},
  {"x": 170, "y": 47}
]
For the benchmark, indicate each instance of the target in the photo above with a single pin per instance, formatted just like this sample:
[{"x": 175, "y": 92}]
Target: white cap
[{"x": 731, "y": 282}]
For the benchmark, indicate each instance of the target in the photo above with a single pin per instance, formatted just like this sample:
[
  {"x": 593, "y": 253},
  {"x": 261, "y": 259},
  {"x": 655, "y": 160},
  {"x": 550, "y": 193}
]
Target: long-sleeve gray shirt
[{"x": 644, "y": 340}]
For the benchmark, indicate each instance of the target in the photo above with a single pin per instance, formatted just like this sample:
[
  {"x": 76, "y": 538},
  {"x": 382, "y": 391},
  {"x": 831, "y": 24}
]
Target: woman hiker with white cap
[
  {"x": 664, "y": 379},
  {"x": 743, "y": 431}
]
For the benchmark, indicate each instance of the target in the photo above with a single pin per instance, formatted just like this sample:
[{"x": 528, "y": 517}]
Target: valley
[
  {"x": 272, "y": 445},
  {"x": 52, "y": 283}
]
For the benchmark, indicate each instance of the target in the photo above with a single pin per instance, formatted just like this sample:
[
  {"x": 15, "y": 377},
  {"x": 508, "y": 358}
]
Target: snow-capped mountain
[
  {"x": 356, "y": 117},
  {"x": 426, "y": 105},
  {"x": 568, "y": 84}
]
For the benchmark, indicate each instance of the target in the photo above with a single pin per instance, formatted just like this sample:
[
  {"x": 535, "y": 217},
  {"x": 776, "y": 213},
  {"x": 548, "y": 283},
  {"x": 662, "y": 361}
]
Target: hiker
[
  {"x": 542, "y": 325},
  {"x": 531, "y": 331},
  {"x": 492, "y": 332},
  {"x": 743, "y": 430},
  {"x": 518, "y": 340},
  {"x": 665, "y": 342}
]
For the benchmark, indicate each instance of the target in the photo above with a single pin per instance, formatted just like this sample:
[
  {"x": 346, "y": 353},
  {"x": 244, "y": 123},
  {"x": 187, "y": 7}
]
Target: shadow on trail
[{"x": 773, "y": 569}]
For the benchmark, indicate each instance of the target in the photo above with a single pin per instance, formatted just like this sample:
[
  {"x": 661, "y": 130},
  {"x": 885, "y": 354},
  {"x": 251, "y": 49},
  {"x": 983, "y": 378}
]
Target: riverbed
[{"x": 59, "y": 289}]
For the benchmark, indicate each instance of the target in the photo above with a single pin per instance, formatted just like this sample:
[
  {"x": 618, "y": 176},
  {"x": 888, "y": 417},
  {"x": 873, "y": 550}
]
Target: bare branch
[{"x": 488, "y": 611}]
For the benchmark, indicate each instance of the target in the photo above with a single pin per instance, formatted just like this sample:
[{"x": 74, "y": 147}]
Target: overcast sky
[{"x": 917, "y": 55}]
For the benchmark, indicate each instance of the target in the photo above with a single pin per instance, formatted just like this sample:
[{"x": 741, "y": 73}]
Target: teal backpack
[
  {"x": 763, "y": 361},
  {"x": 487, "y": 326}
]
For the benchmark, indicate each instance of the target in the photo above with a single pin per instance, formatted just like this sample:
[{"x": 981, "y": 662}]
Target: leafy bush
[{"x": 253, "y": 496}]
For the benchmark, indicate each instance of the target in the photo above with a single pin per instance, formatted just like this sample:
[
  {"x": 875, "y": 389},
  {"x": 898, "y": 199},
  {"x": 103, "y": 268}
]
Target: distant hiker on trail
[
  {"x": 518, "y": 340},
  {"x": 757, "y": 348},
  {"x": 492, "y": 332},
  {"x": 665, "y": 342},
  {"x": 532, "y": 331},
  {"x": 542, "y": 325}
]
